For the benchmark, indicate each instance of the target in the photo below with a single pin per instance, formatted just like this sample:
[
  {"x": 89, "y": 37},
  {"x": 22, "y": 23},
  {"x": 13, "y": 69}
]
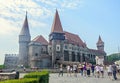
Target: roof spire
[
  {"x": 56, "y": 26},
  {"x": 25, "y": 28},
  {"x": 26, "y": 14},
  {"x": 99, "y": 40}
]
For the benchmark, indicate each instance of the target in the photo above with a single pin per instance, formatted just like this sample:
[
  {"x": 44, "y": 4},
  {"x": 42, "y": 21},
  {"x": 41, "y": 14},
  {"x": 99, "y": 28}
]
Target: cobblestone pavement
[{"x": 54, "y": 78}]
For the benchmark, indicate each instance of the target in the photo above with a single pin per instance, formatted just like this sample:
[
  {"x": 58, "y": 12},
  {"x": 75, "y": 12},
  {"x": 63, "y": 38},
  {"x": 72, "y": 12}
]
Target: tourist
[
  {"x": 109, "y": 71},
  {"x": 97, "y": 69},
  {"x": 71, "y": 69},
  {"x": 88, "y": 69},
  {"x": 75, "y": 70},
  {"x": 80, "y": 67},
  {"x": 61, "y": 70},
  {"x": 114, "y": 71},
  {"x": 81, "y": 70},
  {"x": 92, "y": 68},
  {"x": 68, "y": 69},
  {"x": 84, "y": 70},
  {"x": 102, "y": 70}
]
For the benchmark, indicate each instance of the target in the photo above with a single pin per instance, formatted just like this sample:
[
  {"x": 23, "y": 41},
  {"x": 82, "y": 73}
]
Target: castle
[{"x": 62, "y": 46}]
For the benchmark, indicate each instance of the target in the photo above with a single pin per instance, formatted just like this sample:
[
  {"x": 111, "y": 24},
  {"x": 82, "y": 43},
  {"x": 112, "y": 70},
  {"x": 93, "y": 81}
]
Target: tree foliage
[
  {"x": 2, "y": 66},
  {"x": 113, "y": 57}
]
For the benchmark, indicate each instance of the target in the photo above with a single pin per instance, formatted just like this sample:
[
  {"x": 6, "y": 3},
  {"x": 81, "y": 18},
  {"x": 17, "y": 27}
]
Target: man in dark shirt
[{"x": 114, "y": 68}]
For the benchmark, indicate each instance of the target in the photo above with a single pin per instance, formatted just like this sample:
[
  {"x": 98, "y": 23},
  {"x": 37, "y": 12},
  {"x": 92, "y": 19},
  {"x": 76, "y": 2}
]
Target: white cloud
[
  {"x": 12, "y": 14},
  {"x": 7, "y": 27},
  {"x": 71, "y": 4},
  {"x": 49, "y": 2},
  {"x": 36, "y": 24},
  {"x": 14, "y": 10}
]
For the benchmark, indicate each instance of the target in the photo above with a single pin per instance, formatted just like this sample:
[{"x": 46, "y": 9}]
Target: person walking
[
  {"x": 114, "y": 71},
  {"x": 97, "y": 69},
  {"x": 102, "y": 70},
  {"x": 61, "y": 70},
  {"x": 71, "y": 69},
  {"x": 75, "y": 70},
  {"x": 88, "y": 69},
  {"x": 81, "y": 70},
  {"x": 84, "y": 70},
  {"x": 109, "y": 71},
  {"x": 68, "y": 69},
  {"x": 80, "y": 67},
  {"x": 93, "y": 69}
]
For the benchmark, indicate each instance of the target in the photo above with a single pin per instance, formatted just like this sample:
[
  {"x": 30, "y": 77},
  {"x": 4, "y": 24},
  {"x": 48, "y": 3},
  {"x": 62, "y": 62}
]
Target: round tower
[
  {"x": 100, "y": 44},
  {"x": 24, "y": 39}
]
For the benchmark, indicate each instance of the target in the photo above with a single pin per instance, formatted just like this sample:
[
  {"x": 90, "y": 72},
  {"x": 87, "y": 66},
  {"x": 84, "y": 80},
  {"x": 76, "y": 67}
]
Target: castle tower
[
  {"x": 57, "y": 38},
  {"x": 24, "y": 39},
  {"x": 100, "y": 44}
]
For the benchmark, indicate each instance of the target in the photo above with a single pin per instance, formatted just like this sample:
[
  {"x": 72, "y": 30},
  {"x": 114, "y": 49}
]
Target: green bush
[
  {"x": 2, "y": 66},
  {"x": 43, "y": 76},
  {"x": 33, "y": 77},
  {"x": 25, "y": 80}
]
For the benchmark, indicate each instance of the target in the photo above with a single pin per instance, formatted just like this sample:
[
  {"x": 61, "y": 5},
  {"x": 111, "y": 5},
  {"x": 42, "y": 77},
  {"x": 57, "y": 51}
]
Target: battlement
[
  {"x": 11, "y": 55},
  {"x": 11, "y": 60}
]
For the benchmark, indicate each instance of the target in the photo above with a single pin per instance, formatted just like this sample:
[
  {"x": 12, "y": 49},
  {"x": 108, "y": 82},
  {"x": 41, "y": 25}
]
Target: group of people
[
  {"x": 113, "y": 70},
  {"x": 87, "y": 69}
]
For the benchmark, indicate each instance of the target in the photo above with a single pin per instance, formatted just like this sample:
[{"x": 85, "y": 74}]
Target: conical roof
[
  {"x": 99, "y": 40},
  {"x": 56, "y": 26},
  {"x": 25, "y": 28}
]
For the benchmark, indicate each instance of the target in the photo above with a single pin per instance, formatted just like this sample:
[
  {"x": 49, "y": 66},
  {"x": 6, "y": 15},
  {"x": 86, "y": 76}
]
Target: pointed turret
[
  {"x": 57, "y": 37},
  {"x": 56, "y": 30},
  {"x": 99, "y": 40},
  {"x": 100, "y": 44},
  {"x": 24, "y": 39},
  {"x": 56, "y": 26},
  {"x": 25, "y": 28}
]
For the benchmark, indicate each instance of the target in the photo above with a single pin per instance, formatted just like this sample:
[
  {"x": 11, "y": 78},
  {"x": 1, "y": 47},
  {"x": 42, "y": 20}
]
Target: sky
[{"x": 87, "y": 18}]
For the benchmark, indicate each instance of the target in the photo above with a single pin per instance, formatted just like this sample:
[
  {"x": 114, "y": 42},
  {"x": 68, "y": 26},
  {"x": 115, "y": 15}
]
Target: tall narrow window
[{"x": 57, "y": 47}]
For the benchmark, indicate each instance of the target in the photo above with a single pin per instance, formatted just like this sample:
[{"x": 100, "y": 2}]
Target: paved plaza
[{"x": 54, "y": 78}]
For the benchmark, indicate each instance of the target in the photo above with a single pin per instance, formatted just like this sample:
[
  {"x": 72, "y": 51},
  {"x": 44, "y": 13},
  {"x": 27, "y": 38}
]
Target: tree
[{"x": 113, "y": 57}]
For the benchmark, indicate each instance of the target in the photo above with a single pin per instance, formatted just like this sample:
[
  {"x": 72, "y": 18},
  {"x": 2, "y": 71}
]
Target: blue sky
[{"x": 87, "y": 18}]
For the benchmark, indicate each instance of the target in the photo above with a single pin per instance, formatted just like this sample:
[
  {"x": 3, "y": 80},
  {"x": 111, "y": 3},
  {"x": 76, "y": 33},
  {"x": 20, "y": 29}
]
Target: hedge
[
  {"x": 43, "y": 76},
  {"x": 33, "y": 77},
  {"x": 25, "y": 80}
]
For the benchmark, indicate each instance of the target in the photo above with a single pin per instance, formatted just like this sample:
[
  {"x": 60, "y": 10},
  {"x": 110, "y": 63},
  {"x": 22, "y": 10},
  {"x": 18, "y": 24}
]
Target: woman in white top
[
  {"x": 68, "y": 69},
  {"x": 109, "y": 70},
  {"x": 97, "y": 69}
]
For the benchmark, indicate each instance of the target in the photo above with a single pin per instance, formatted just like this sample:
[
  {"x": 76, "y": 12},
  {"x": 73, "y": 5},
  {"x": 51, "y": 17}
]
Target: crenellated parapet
[{"x": 11, "y": 61}]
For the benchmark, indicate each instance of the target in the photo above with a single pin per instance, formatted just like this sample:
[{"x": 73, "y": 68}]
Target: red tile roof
[
  {"x": 97, "y": 51},
  {"x": 56, "y": 26},
  {"x": 41, "y": 40},
  {"x": 74, "y": 39}
]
